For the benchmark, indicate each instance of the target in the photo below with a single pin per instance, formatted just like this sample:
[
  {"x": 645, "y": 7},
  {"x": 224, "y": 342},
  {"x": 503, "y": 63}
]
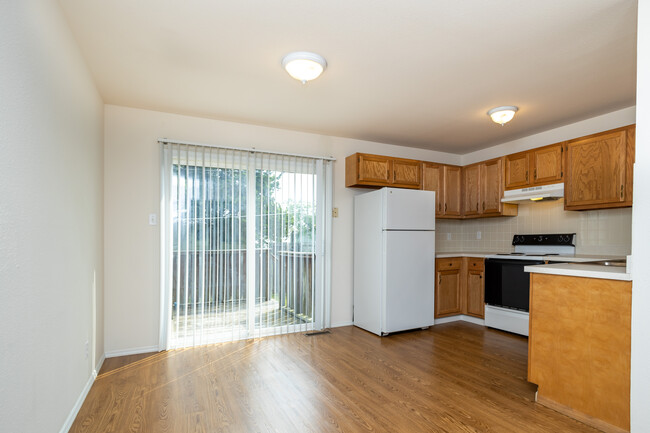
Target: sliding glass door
[{"x": 243, "y": 244}]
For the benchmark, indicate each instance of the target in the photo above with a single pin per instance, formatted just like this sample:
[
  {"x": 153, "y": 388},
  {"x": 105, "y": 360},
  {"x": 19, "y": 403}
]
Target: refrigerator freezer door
[
  {"x": 408, "y": 209},
  {"x": 409, "y": 285}
]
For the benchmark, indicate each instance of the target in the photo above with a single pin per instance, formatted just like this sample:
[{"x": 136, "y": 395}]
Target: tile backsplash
[{"x": 607, "y": 231}]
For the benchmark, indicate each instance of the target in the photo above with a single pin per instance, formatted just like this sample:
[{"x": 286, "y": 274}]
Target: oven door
[{"x": 506, "y": 283}]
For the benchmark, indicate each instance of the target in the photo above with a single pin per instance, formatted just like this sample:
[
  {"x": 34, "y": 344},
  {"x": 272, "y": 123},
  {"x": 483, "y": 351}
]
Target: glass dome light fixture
[
  {"x": 502, "y": 115},
  {"x": 304, "y": 66}
]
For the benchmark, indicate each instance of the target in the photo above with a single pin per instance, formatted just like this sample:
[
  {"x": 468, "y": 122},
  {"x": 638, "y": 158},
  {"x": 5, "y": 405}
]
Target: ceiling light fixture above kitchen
[
  {"x": 304, "y": 66},
  {"x": 503, "y": 115}
]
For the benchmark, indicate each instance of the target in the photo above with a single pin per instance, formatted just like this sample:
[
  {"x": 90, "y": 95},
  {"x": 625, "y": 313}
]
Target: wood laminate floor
[{"x": 455, "y": 377}]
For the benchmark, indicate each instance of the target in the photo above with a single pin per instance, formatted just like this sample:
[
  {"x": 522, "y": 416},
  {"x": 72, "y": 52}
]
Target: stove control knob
[{"x": 540, "y": 238}]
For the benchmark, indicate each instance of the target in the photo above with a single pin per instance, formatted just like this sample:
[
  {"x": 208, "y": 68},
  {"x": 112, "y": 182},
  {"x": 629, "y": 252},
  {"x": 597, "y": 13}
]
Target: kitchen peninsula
[{"x": 579, "y": 341}]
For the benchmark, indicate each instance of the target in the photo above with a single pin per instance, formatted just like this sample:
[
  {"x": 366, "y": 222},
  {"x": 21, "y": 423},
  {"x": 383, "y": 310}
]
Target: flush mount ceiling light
[
  {"x": 502, "y": 115},
  {"x": 304, "y": 66}
]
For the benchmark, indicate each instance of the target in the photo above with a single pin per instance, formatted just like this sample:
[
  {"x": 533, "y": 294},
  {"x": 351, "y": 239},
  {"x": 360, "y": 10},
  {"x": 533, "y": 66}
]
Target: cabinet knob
[{"x": 526, "y": 176}]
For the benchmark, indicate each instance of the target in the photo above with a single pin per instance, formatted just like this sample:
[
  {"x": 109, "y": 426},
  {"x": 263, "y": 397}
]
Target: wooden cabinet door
[
  {"x": 596, "y": 170},
  {"x": 433, "y": 180},
  {"x": 471, "y": 195},
  {"x": 517, "y": 167},
  {"x": 475, "y": 293},
  {"x": 451, "y": 200},
  {"x": 491, "y": 187},
  {"x": 547, "y": 164},
  {"x": 374, "y": 168},
  {"x": 406, "y": 173},
  {"x": 447, "y": 293}
]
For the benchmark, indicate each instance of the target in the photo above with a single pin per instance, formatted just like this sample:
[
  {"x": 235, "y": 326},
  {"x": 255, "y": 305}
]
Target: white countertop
[
  {"x": 480, "y": 254},
  {"x": 575, "y": 265},
  {"x": 582, "y": 270},
  {"x": 564, "y": 258}
]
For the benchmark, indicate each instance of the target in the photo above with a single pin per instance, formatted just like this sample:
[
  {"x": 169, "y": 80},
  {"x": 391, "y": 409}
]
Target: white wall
[
  {"x": 612, "y": 120},
  {"x": 132, "y": 191},
  {"x": 51, "y": 217},
  {"x": 640, "y": 393}
]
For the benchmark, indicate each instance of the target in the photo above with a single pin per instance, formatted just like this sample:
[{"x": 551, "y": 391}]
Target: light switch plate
[
  {"x": 335, "y": 212},
  {"x": 153, "y": 219}
]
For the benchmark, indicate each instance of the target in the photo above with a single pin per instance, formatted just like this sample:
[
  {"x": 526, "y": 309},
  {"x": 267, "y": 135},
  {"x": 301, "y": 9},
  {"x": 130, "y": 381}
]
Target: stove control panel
[{"x": 550, "y": 239}]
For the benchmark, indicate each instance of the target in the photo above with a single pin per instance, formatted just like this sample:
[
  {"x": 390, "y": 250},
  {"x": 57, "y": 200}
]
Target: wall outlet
[
  {"x": 335, "y": 212},
  {"x": 153, "y": 219},
  {"x": 478, "y": 235},
  {"x": 448, "y": 236},
  {"x": 86, "y": 348}
]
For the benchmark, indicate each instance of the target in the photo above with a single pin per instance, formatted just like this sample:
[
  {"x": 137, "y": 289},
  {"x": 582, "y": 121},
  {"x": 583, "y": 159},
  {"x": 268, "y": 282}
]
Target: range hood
[{"x": 534, "y": 193}]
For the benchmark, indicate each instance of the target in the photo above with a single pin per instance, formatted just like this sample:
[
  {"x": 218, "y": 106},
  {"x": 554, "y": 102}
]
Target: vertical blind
[{"x": 245, "y": 244}]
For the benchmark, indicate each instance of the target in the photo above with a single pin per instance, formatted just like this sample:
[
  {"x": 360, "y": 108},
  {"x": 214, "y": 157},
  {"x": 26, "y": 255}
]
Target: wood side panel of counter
[{"x": 579, "y": 346}]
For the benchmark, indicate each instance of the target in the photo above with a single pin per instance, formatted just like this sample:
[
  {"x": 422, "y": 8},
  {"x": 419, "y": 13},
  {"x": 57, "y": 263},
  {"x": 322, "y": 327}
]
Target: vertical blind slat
[{"x": 245, "y": 229}]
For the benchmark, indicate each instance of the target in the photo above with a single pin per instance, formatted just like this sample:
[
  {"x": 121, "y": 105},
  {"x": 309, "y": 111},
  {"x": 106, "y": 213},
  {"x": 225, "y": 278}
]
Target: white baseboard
[
  {"x": 132, "y": 351},
  {"x": 460, "y": 317},
  {"x": 98, "y": 367},
  {"x": 77, "y": 405},
  {"x": 473, "y": 319},
  {"x": 338, "y": 325}
]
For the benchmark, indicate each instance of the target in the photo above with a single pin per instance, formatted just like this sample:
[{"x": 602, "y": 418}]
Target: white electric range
[{"x": 506, "y": 283}]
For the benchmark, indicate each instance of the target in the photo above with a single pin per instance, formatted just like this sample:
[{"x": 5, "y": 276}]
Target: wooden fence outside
[{"x": 286, "y": 276}]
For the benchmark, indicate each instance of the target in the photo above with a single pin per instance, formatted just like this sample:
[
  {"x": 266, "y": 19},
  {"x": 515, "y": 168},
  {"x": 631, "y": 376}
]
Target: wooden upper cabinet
[
  {"x": 517, "y": 166},
  {"x": 433, "y": 180},
  {"x": 546, "y": 163},
  {"x": 367, "y": 170},
  {"x": 406, "y": 173},
  {"x": 483, "y": 190},
  {"x": 446, "y": 181},
  {"x": 471, "y": 194},
  {"x": 540, "y": 166},
  {"x": 491, "y": 186},
  {"x": 453, "y": 190},
  {"x": 374, "y": 168},
  {"x": 599, "y": 170}
]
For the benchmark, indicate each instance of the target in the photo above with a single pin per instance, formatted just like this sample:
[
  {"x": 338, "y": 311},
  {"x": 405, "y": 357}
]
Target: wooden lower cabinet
[
  {"x": 459, "y": 287},
  {"x": 475, "y": 305},
  {"x": 448, "y": 284},
  {"x": 579, "y": 347}
]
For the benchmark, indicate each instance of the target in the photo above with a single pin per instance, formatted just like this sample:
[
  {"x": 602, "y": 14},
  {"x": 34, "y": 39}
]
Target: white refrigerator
[{"x": 394, "y": 260}]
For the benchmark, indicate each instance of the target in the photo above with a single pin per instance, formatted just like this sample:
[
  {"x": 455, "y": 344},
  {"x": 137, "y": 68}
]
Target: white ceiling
[{"x": 418, "y": 73}]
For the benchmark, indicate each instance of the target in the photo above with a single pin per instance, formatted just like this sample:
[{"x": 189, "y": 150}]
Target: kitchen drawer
[
  {"x": 475, "y": 263},
  {"x": 450, "y": 263}
]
